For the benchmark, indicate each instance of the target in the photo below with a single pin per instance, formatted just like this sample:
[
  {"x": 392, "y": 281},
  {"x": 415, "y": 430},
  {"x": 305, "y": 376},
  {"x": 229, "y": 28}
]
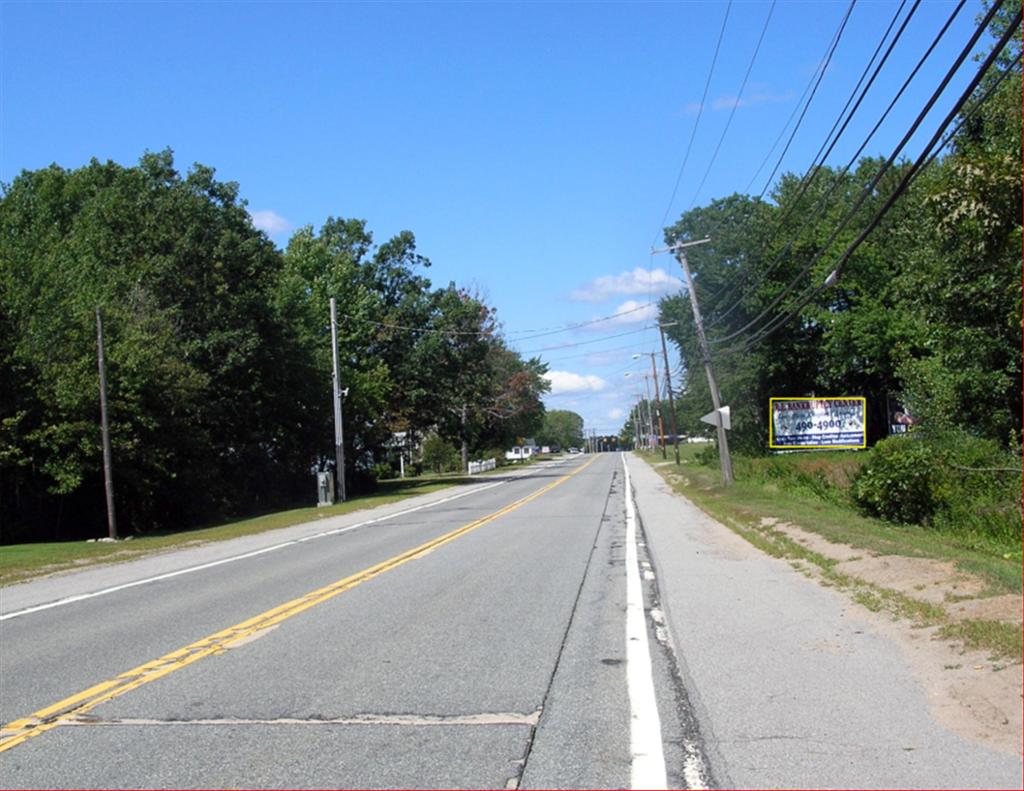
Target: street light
[
  {"x": 657, "y": 398},
  {"x": 650, "y": 415}
]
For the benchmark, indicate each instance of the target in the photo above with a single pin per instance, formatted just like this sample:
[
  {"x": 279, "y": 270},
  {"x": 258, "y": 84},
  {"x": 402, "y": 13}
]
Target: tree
[
  {"x": 563, "y": 428},
  {"x": 199, "y": 371}
]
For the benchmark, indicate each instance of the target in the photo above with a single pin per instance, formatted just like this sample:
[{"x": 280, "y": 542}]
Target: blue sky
[{"x": 531, "y": 147}]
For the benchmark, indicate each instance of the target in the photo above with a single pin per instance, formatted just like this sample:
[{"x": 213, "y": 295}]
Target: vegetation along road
[{"x": 560, "y": 626}]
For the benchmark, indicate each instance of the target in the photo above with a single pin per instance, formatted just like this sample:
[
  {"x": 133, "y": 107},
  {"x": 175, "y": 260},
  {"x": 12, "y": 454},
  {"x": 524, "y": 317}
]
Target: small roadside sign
[{"x": 718, "y": 417}]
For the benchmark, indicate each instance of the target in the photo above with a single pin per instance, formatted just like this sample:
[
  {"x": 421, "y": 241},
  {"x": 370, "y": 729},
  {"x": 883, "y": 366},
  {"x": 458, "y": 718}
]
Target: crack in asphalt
[
  {"x": 405, "y": 720},
  {"x": 514, "y": 781}
]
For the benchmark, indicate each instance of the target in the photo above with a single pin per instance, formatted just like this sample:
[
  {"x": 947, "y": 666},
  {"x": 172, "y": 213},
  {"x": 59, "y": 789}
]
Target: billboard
[{"x": 817, "y": 422}]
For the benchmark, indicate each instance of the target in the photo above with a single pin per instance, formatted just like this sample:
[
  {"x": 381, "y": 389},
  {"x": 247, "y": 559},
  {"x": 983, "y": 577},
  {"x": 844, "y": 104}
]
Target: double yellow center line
[{"x": 18, "y": 731}]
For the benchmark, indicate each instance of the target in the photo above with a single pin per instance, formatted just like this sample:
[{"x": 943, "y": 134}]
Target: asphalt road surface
[
  {"x": 471, "y": 642},
  {"x": 507, "y": 634}
]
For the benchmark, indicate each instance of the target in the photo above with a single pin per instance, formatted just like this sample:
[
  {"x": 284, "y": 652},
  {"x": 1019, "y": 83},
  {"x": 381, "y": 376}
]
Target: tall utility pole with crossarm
[
  {"x": 716, "y": 397},
  {"x": 668, "y": 387}
]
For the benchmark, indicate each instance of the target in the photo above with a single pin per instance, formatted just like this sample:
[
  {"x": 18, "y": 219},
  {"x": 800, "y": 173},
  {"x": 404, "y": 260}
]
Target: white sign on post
[{"x": 718, "y": 417}]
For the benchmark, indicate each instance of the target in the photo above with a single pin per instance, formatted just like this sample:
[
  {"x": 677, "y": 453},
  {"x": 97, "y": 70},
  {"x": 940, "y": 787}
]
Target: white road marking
[
  {"x": 647, "y": 767},
  {"x": 694, "y": 770},
  {"x": 245, "y": 555}
]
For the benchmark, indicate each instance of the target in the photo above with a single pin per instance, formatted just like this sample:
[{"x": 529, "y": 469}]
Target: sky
[{"x": 532, "y": 148}]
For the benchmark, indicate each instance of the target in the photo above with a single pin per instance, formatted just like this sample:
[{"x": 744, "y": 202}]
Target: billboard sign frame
[{"x": 813, "y": 423}]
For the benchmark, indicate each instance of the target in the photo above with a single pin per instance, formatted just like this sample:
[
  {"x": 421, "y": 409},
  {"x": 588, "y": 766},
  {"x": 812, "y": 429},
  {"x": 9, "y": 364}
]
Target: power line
[
  {"x": 531, "y": 334},
  {"x": 821, "y": 75},
  {"x": 869, "y": 188},
  {"x": 819, "y": 159},
  {"x": 926, "y": 157},
  {"x": 696, "y": 123},
  {"x": 584, "y": 343},
  {"x": 739, "y": 97},
  {"x": 811, "y": 84},
  {"x": 627, "y": 347}
]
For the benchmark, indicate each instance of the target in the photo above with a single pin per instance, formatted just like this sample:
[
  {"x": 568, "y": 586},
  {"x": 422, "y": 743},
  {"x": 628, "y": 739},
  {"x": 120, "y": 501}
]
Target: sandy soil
[{"x": 970, "y": 693}]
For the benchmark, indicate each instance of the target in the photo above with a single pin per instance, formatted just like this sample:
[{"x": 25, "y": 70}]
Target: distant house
[{"x": 522, "y": 451}]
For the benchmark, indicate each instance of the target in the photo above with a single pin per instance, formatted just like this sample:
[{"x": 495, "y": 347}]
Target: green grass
[
  {"x": 20, "y": 562},
  {"x": 764, "y": 490},
  {"x": 749, "y": 500}
]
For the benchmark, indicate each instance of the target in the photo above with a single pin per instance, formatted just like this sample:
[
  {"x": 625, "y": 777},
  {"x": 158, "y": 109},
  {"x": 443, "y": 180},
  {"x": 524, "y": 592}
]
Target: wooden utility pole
[
  {"x": 716, "y": 398},
  {"x": 660, "y": 408},
  {"x": 108, "y": 472},
  {"x": 668, "y": 384}
]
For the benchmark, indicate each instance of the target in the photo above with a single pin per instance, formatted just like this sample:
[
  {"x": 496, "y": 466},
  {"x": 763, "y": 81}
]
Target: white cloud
[
  {"x": 566, "y": 382},
  {"x": 616, "y": 414},
  {"x": 270, "y": 221},
  {"x": 631, "y": 312},
  {"x": 654, "y": 282},
  {"x": 765, "y": 97}
]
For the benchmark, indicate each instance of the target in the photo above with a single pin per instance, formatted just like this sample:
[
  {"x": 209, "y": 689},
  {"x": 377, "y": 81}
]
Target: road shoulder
[{"x": 795, "y": 683}]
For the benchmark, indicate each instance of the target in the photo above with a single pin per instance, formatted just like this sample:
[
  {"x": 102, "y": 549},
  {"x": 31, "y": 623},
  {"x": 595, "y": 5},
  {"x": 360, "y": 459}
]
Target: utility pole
[
  {"x": 464, "y": 452},
  {"x": 661, "y": 411},
  {"x": 716, "y": 398},
  {"x": 339, "y": 429},
  {"x": 650, "y": 414},
  {"x": 108, "y": 472},
  {"x": 668, "y": 384}
]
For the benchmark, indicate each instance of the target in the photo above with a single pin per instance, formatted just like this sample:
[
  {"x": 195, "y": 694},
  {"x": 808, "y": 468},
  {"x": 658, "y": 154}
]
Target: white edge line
[
  {"x": 254, "y": 553},
  {"x": 647, "y": 757}
]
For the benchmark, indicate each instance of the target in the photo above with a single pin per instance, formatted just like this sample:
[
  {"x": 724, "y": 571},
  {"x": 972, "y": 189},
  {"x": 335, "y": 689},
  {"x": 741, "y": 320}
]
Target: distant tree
[{"x": 563, "y": 428}]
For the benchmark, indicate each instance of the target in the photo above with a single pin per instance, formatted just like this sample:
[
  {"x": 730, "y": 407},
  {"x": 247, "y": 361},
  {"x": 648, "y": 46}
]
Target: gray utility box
[{"x": 325, "y": 488}]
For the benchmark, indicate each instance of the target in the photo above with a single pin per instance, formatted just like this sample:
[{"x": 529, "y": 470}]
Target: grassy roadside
[
  {"x": 755, "y": 501},
  {"x": 19, "y": 562}
]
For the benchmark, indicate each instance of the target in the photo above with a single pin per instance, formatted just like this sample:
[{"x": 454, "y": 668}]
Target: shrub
[
  {"x": 383, "y": 471},
  {"x": 825, "y": 475},
  {"x": 950, "y": 481},
  {"x": 901, "y": 481},
  {"x": 439, "y": 456},
  {"x": 498, "y": 454}
]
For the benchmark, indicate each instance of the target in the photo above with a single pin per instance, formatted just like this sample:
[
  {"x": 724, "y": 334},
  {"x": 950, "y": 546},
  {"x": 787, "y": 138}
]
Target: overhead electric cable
[
  {"x": 736, "y": 104},
  {"x": 585, "y": 343},
  {"x": 807, "y": 105},
  {"x": 867, "y": 190},
  {"x": 629, "y": 346},
  {"x": 696, "y": 123},
  {"x": 717, "y": 316},
  {"x": 529, "y": 336},
  {"x": 926, "y": 157}
]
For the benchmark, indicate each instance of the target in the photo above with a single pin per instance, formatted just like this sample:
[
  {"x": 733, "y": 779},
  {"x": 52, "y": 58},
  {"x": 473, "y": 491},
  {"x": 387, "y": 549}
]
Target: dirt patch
[
  {"x": 970, "y": 693},
  {"x": 995, "y": 608},
  {"x": 813, "y": 541},
  {"x": 937, "y": 582},
  {"x": 932, "y": 581}
]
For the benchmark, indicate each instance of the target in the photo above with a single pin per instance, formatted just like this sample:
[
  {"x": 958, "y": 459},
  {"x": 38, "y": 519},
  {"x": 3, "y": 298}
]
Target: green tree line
[
  {"x": 218, "y": 352},
  {"x": 926, "y": 315},
  {"x": 923, "y": 316}
]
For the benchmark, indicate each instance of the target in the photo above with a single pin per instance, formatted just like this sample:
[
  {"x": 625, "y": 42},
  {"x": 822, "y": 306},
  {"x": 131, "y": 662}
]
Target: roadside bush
[
  {"x": 382, "y": 471},
  {"x": 950, "y": 481},
  {"x": 901, "y": 481},
  {"x": 498, "y": 454},
  {"x": 825, "y": 475},
  {"x": 439, "y": 456},
  {"x": 707, "y": 456}
]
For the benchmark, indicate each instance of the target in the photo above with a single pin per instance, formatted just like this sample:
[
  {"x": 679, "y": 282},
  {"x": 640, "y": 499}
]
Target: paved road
[
  {"x": 494, "y": 656},
  {"x": 525, "y": 632}
]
